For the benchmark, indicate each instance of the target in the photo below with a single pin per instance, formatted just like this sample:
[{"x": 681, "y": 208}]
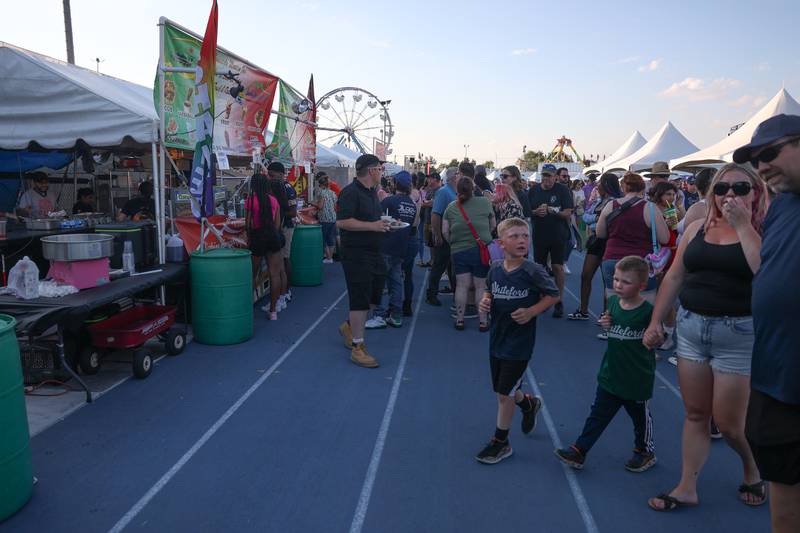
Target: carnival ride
[
  {"x": 356, "y": 118},
  {"x": 558, "y": 153}
]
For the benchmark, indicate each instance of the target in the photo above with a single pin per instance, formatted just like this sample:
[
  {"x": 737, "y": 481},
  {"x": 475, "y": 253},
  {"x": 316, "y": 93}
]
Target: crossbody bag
[{"x": 484, "y": 250}]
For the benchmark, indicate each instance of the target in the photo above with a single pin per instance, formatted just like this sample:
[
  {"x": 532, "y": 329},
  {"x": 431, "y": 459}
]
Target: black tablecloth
[{"x": 37, "y": 315}]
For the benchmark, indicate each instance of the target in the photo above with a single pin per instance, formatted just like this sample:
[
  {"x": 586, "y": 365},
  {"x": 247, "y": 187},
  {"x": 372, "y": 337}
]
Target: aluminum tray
[
  {"x": 77, "y": 246},
  {"x": 42, "y": 224}
]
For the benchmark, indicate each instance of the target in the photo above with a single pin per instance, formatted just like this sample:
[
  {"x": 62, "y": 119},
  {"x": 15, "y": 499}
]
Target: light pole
[{"x": 466, "y": 147}]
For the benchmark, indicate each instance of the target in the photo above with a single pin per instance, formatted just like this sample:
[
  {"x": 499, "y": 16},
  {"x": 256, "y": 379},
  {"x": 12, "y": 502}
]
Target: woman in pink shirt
[{"x": 264, "y": 236}]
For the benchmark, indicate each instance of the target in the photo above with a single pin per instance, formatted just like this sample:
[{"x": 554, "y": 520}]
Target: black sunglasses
[
  {"x": 768, "y": 154},
  {"x": 740, "y": 188},
  {"x": 506, "y": 175}
]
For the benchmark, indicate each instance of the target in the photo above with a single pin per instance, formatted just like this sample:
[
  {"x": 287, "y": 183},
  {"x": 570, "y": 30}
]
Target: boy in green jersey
[{"x": 627, "y": 372}]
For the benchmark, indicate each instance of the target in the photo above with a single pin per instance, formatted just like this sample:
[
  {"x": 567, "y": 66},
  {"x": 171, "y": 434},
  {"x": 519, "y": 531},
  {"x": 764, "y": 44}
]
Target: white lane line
[
  {"x": 161, "y": 483},
  {"x": 659, "y": 375},
  {"x": 377, "y": 452},
  {"x": 572, "y": 479}
]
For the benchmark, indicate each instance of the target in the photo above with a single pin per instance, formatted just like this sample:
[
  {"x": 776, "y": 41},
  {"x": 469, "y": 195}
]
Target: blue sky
[{"x": 493, "y": 75}]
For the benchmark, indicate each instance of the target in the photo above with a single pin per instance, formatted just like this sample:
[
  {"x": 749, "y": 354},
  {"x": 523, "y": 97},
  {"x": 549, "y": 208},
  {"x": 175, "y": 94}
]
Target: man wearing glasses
[
  {"x": 361, "y": 227},
  {"x": 773, "y": 415}
]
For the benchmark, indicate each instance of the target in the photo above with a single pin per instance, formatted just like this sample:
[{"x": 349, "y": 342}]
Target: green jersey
[{"x": 628, "y": 368}]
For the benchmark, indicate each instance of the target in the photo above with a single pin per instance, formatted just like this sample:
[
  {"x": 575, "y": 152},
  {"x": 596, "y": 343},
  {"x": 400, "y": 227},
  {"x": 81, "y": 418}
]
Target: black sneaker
[
  {"x": 578, "y": 315},
  {"x": 558, "y": 310},
  {"x": 571, "y": 457},
  {"x": 641, "y": 461},
  {"x": 407, "y": 309},
  {"x": 494, "y": 452},
  {"x": 529, "y": 416},
  {"x": 433, "y": 300}
]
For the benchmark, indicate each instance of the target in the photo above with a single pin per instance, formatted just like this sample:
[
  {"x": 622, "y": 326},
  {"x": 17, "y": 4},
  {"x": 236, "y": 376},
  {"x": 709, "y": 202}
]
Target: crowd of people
[{"x": 703, "y": 266}]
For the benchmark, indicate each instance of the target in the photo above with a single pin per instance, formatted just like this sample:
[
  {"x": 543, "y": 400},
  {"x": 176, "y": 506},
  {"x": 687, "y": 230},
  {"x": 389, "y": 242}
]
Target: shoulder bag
[
  {"x": 659, "y": 258},
  {"x": 484, "y": 250}
]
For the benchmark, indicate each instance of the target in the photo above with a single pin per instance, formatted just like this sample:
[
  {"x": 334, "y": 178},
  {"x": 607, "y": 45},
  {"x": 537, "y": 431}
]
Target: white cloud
[
  {"x": 698, "y": 90},
  {"x": 523, "y": 51},
  {"x": 651, "y": 66},
  {"x": 624, "y": 60},
  {"x": 762, "y": 67},
  {"x": 378, "y": 44}
]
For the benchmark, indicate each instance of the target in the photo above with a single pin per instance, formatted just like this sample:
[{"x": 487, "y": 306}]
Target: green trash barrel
[
  {"x": 306, "y": 255},
  {"x": 16, "y": 471},
  {"x": 222, "y": 296}
]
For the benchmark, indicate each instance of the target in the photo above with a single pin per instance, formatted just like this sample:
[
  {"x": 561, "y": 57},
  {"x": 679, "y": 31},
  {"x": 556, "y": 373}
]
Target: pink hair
[{"x": 760, "y": 199}]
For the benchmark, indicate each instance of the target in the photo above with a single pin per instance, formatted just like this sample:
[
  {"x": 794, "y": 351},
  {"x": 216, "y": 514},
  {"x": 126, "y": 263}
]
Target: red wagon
[{"x": 130, "y": 330}]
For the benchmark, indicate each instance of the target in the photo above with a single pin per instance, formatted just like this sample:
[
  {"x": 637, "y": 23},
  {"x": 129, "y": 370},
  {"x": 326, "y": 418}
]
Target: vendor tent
[
  {"x": 723, "y": 150},
  {"x": 329, "y": 158},
  {"x": 341, "y": 149},
  {"x": 55, "y": 105},
  {"x": 634, "y": 142},
  {"x": 666, "y": 144}
]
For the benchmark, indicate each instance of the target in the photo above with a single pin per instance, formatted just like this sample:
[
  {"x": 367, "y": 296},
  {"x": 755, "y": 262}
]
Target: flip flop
[
  {"x": 670, "y": 503},
  {"x": 759, "y": 490}
]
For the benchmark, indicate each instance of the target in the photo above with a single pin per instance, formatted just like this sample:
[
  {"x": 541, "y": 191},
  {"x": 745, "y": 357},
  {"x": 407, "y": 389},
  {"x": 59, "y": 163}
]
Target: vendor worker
[
  {"x": 140, "y": 208},
  {"x": 85, "y": 203},
  {"x": 39, "y": 201}
]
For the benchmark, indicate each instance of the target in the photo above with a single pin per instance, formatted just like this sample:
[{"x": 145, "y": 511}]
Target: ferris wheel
[{"x": 356, "y": 118}]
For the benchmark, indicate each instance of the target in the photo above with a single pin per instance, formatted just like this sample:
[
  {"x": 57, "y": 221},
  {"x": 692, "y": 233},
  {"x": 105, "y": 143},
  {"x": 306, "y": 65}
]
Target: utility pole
[
  {"x": 68, "y": 30},
  {"x": 466, "y": 147}
]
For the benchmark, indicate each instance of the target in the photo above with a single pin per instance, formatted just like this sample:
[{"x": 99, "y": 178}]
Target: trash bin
[
  {"x": 222, "y": 296},
  {"x": 306, "y": 255},
  {"x": 16, "y": 470}
]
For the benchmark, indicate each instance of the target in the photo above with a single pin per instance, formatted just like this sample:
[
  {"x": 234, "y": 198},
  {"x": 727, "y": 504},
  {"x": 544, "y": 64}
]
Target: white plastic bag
[{"x": 23, "y": 279}]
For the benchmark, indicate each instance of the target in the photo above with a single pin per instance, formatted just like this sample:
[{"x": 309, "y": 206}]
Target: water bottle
[
  {"x": 128, "y": 259},
  {"x": 24, "y": 279}
]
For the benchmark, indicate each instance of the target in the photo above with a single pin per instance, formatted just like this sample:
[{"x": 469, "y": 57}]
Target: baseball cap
[
  {"x": 549, "y": 170},
  {"x": 275, "y": 166},
  {"x": 367, "y": 160},
  {"x": 767, "y": 132},
  {"x": 403, "y": 178}
]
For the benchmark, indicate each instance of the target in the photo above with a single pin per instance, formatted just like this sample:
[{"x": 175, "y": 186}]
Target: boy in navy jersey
[{"x": 517, "y": 290}]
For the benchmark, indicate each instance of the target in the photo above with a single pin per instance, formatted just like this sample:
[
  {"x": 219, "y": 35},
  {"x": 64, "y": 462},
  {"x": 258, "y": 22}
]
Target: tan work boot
[
  {"x": 347, "y": 334},
  {"x": 360, "y": 356}
]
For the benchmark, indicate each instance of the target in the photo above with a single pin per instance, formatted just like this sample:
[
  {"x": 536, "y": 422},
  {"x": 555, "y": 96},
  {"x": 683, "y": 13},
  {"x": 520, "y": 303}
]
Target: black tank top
[{"x": 718, "y": 279}]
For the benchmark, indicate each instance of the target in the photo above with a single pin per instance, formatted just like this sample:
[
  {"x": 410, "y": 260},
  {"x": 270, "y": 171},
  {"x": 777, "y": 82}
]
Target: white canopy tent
[
  {"x": 723, "y": 150},
  {"x": 666, "y": 144},
  {"x": 55, "y": 105},
  {"x": 328, "y": 158},
  {"x": 634, "y": 142},
  {"x": 341, "y": 149}
]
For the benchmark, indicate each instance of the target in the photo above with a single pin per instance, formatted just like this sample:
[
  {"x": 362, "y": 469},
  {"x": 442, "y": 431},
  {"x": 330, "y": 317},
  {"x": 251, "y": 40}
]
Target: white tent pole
[{"x": 161, "y": 166}]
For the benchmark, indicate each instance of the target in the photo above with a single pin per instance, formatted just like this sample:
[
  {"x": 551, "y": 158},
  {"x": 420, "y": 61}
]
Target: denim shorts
[
  {"x": 469, "y": 262},
  {"x": 607, "y": 270},
  {"x": 328, "y": 234},
  {"x": 725, "y": 343}
]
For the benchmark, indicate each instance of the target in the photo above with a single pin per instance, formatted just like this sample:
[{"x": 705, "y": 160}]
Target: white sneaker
[
  {"x": 265, "y": 308},
  {"x": 375, "y": 322},
  {"x": 288, "y": 296},
  {"x": 668, "y": 344},
  {"x": 566, "y": 269},
  {"x": 673, "y": 360},
  {"x": 280, "y": 305}
]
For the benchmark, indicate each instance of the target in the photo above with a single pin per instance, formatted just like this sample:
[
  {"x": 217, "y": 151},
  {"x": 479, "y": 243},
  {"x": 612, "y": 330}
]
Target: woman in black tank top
[{"x": 712, "y": 273}]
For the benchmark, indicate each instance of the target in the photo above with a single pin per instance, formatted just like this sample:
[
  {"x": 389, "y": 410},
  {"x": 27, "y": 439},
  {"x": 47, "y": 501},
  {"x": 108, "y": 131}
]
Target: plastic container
[
  {"x": 222, "y": 296},
  {"x": 128, "y": 259},
  {"x": 24, "y": 279},
  {"x": 16, "y": 470},
  {"x": 306, "y": 255},
  {"x": 175, "y": 251}
]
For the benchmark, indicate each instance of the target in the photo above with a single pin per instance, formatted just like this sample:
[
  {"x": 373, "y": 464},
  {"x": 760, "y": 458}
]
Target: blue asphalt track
[{"x": 287, "y": 436}]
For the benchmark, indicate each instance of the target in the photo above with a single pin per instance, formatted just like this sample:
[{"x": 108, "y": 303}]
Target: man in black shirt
[
  {"x": 551, "y": 207},
  {"x": 361, "y": 227},
  {"x": 141, "y": 207}
]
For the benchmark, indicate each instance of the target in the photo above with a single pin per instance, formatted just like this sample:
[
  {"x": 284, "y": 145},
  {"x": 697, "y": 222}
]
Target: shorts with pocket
[
  {"x": 365, "y": 276},
  {"x": 469, "y": 262},
  {"x": 725, "y": 343},
  {"x": 773, "y": 432}
]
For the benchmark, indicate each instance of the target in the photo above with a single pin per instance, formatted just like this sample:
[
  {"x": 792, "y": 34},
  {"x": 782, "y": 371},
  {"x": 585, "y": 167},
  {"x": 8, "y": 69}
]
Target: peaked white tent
[
  {"x": 634, "y": 142},
  {"x": 55, "y": 104},
  {"x": 668, "y": 143},
  {"x": 341, "y": 149},
  {"x": 329, "y": 158},
  {"x": 723, "y": 150}
]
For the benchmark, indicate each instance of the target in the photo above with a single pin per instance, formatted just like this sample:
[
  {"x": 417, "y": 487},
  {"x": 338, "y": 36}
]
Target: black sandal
[
  {"x": 670, "y": 503},
  {"x": 759, "y": 490},
  {"x": 459, "y": 325},
  {"x": 483, "y": 327}
]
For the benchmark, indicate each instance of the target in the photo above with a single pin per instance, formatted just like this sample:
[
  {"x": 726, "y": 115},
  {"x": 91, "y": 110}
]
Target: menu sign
[{"x": 240, "y": 121}]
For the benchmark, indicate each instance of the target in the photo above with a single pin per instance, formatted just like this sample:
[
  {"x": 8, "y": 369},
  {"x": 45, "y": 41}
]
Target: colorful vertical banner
[
  {"x": 201, "y": 185},
  {"x": 241, "y": 120}
]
